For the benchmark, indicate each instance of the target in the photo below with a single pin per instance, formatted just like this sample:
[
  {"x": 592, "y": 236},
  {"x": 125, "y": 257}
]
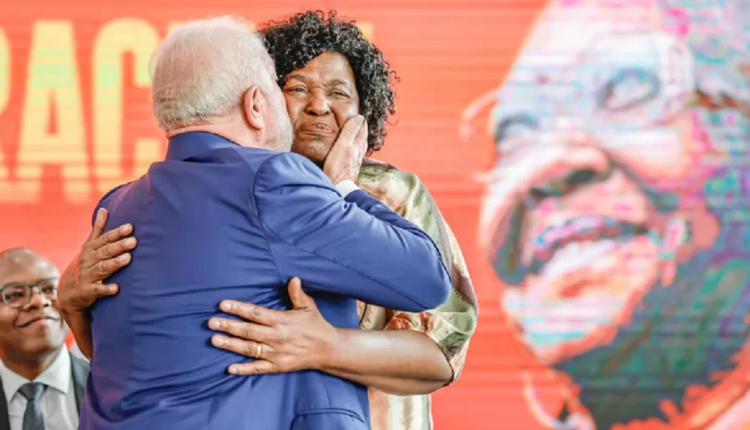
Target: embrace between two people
[{"x": 337, "y": 95}]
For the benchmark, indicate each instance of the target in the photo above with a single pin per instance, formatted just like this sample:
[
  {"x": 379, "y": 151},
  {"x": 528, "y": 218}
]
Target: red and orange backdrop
[{"x": 75, "y": 120}]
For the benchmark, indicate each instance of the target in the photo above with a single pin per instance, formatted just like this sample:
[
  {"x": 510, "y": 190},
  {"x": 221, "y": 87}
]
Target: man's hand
[
  {"x": 291, "y": 340},
  {"x": 347, "y": 153},
  {"x": 81, "y": 284}
]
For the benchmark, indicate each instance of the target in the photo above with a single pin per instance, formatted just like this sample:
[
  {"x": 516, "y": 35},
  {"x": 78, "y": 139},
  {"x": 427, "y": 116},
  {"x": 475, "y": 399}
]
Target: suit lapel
[
  {"x": 80, "y": 371},
  {"x": 4, "y": 418}
]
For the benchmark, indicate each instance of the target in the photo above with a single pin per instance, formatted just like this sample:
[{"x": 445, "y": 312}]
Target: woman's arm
[{"x": 81, "y": 283}]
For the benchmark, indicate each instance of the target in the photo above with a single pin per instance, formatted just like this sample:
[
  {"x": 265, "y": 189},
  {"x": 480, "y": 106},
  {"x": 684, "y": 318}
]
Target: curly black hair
[{"x": 294, "y": 42}]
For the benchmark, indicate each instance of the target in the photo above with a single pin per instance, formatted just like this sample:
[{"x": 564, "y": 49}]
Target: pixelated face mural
[{"x": 617, "y": 212}]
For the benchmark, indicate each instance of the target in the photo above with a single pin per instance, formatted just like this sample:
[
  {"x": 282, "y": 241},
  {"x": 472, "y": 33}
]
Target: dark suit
[
  {"x": 218, "y": 221},
  {"x": 80, "y": 372}
]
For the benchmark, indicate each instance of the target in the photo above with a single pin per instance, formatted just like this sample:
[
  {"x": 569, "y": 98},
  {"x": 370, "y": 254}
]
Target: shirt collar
[
  {"x": 186, "y": 145},
  {"x": 57, "y": 376}
]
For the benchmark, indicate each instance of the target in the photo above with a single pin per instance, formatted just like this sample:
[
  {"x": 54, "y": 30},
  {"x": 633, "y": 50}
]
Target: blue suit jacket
[{"x": 218, "y": 221}]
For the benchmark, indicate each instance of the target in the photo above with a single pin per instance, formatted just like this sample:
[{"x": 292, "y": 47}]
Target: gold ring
[{"x": 258, "y": 350}]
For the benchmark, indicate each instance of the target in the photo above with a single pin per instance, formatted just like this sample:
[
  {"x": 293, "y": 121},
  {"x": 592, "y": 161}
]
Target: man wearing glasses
[{"x": 41, "y": 384}]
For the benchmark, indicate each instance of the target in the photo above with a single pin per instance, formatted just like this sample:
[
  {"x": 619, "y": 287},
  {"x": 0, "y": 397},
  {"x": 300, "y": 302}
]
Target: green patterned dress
[{"x": 450, "y": 326}]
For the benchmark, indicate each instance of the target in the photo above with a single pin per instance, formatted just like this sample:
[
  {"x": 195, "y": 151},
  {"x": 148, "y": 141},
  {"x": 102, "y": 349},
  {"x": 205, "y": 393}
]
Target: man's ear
[{"x": 253, "y": 108}]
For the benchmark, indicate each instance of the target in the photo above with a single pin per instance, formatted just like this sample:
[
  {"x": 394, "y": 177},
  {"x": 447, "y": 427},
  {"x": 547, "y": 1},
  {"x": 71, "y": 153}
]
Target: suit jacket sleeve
[{"x": 356, "y": 246}]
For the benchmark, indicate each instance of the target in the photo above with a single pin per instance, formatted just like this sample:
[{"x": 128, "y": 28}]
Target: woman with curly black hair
[
  {"x": 359, "y": 79},
  {"x": 329, "y": 73}
]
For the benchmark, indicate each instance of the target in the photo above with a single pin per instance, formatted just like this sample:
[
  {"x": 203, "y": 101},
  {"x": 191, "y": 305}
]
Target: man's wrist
[{"x": 346, "y": 186}]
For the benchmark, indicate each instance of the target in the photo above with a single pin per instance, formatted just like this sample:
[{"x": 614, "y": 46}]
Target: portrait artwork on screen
[{"x": 616, "y": 214}]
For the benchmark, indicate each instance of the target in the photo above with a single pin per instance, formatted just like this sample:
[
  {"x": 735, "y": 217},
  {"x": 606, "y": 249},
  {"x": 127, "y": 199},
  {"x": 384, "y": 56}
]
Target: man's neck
[{"x": 30, "y": 368}]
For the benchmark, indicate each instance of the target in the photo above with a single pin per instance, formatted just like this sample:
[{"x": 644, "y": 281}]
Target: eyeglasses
[{"x": 18, "y": 295}]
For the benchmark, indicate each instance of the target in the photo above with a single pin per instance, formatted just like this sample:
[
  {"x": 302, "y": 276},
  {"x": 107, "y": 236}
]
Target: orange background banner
[{"x": 75, "y": 120}]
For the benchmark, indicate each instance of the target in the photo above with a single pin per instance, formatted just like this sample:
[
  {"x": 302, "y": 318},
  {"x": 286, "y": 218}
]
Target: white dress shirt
[
  {"x": 58, "y": 402},
  {"x": 346, "y": 186}
]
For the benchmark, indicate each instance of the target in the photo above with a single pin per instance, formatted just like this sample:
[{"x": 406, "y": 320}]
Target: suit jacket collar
[
  {"x": 4, "y": 418},
  {"x": 80, "y": 372},
  {"x": 190, "y": 144}
]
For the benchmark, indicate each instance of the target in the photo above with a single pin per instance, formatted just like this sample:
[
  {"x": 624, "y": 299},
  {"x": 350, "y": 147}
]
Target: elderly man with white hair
[{"x": 231, "y": 214}]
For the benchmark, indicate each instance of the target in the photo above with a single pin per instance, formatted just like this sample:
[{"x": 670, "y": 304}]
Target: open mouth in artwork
[{"x": 578, "y": 241}]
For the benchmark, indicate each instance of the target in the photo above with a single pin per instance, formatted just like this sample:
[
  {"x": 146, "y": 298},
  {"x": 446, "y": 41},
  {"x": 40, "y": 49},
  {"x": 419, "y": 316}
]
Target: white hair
[{"x": 202, "y": 69}]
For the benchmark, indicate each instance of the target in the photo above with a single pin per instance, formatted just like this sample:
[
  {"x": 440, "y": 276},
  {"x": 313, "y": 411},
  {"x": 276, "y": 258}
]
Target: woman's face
[{"x": 320, "y": 98}]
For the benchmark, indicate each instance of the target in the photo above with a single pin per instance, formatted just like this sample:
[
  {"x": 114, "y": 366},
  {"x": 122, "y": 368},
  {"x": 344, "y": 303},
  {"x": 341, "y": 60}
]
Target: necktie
[{"x": 33, "y": 418}]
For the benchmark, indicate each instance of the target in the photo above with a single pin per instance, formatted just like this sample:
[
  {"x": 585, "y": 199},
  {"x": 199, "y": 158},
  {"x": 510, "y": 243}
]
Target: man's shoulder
[
  {"x": 247, "y": 157},
  {"x": 253, "y": 158},
  {"x": 289, "y": 168},
  {"x": 272, "y": 168},
  {"x": 114, "y": 192},
  {"x": 111, "y": 195}
]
